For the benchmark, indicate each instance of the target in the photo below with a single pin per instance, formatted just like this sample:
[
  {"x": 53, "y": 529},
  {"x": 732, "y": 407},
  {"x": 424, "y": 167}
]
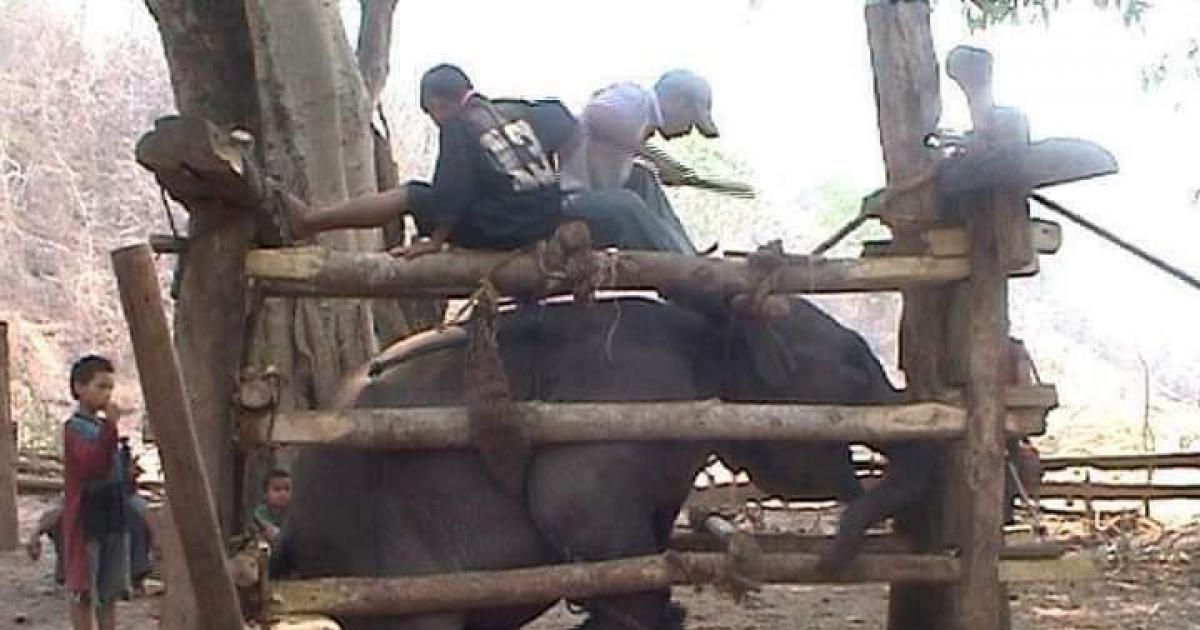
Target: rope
[
  {"x": 495, "y": 425},
  {"x": 840, "y": 234},
  {"x": 273, "y": 379},
  {"x": 166, "y": 204},
  {"x": 1035, "y": 511},
  {"x": 606, "y": 275},
  {"x": 768, "y": 263},
  {"x": 1157, "y": 262}
]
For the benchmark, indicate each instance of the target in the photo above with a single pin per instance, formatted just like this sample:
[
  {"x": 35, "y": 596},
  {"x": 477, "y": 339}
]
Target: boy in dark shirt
[{"x": 493, "y": 186}]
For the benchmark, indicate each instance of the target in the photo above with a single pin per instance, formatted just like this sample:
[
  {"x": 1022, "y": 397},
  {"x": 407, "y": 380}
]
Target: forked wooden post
[
  {"x": 8, "y": 454},
  {"x": 909, "y": 105},
  {"x": 169, "y": 413}
]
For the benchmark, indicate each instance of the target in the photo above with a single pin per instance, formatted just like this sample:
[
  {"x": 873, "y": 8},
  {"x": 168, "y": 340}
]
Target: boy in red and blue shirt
[{"x": 95, "y": 513}]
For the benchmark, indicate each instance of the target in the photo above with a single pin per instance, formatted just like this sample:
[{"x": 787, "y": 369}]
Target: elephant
[{"x": 377, "y": 513}]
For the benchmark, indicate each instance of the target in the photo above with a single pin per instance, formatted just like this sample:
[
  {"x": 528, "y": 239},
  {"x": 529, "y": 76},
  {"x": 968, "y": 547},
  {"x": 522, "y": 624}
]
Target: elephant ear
[{"x": 771, "y": 359}]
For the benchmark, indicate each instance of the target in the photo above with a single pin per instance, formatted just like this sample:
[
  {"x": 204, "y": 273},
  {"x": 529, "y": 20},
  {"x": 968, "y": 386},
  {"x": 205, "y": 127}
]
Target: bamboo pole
[
  {"x": 168, "y": 410},
  {"x": 422, "y": 428},
  {"x": 9, "y": 536},
  {"x": 316, "y": 271}
]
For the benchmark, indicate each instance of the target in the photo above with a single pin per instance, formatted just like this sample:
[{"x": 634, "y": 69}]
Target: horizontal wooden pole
[
  {"x": 46, "y": 484},
  {"x": 511, "y": 587},
  {"x": 427, "y": 428},
  {"x": 1046, "y": 237},
  {"x": 33, "y": 484},
  {"x": 486, "y": 589},
  {"x": 1033, "y": 397},
  {"x": 1075, "y": 567},
  {"x": 738, "y": 494},
  {"x": 168, "y": 244},
  {"x": 1124, "y": 462},
  {"x": 323, "y": 272},
  {"x": 1116, "y": 491},
  {"x": 873, "y": 544}
]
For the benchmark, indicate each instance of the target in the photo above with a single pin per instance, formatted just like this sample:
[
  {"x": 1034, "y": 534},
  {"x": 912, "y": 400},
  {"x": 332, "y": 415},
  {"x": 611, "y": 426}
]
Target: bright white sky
[{"x": 793, "y": 98}]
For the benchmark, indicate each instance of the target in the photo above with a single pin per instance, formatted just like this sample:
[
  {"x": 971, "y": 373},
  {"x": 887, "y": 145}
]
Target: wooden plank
[
  {"x": 739, "y": 494},
  {"x": 316, "y": 271},
  {"x": 167, "y": 407},
  {"x": 423, "y": 428},
  {"x": 874, "y": 544},
  {"x": 511, "y": 587},
  {"x": 9, "y": 535},
  {"x": 1070, "y": 568},
  {"x": 1044, "y": 396},
  {"x": 1117, "y": 491},
  {"x": 1124, "y": 462},
  {"x": 951, "y": 242},
  {"x": 34, "y": 484},
  {"x": 305, "y": 622}
]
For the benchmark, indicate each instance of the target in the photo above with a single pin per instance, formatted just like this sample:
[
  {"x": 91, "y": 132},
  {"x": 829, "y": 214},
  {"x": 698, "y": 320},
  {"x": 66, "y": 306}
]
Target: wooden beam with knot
[{"x": 202, "y": 166}]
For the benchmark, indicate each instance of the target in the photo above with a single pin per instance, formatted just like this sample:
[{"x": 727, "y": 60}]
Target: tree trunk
[
  {"x": 316, "y": 140},
  {"x": 207, "y": 49},
  {"x": 285, "y": 72},
  {"x": 394, "y": 318}
]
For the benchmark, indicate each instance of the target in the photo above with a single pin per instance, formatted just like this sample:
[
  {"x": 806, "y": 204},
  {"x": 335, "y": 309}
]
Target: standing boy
[{"x": 94, "y": 517}]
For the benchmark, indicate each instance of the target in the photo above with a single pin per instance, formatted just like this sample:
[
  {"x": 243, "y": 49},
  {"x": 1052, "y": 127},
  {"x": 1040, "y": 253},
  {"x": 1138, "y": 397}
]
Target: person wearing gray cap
[
  {"x": 618, "y": 120},
  {"x": 612, "y": 133}
]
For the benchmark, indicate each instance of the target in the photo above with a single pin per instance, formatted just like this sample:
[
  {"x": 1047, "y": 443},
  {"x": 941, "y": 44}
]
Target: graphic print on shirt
[{"x": 515, "y": 149}]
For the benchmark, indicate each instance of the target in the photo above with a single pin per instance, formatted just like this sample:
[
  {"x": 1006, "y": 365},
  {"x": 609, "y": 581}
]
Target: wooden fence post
[
  {"x": 982, "y": 601},
  {"x": 8, "y": 453},
  {"x": 909, "y": 105},
  {"x": 168, "y": 410}
]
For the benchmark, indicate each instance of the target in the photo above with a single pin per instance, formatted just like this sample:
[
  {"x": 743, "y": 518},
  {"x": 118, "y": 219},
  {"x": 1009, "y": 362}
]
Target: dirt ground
[{"x": 1151, "y": 584}]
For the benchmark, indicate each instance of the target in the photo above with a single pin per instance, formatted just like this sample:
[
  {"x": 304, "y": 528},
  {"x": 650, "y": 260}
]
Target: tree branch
[{"x": 375, "y": 45}]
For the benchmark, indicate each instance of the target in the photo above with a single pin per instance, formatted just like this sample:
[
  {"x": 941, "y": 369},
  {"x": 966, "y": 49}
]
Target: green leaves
[{"x": 981, "y": 14}]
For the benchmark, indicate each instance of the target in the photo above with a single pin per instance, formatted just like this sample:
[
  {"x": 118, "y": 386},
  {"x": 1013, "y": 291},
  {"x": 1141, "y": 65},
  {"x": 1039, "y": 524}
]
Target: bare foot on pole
[{"x": 296, "y": 214}]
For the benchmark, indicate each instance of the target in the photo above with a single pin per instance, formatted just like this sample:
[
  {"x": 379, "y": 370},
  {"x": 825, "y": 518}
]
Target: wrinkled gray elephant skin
[{"x": 392, "y": 513}]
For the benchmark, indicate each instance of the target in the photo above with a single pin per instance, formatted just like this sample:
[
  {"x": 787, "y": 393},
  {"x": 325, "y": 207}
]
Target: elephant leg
[
  {"x": 614, "y": 511},
  {"x": 908, "y": 478}
]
